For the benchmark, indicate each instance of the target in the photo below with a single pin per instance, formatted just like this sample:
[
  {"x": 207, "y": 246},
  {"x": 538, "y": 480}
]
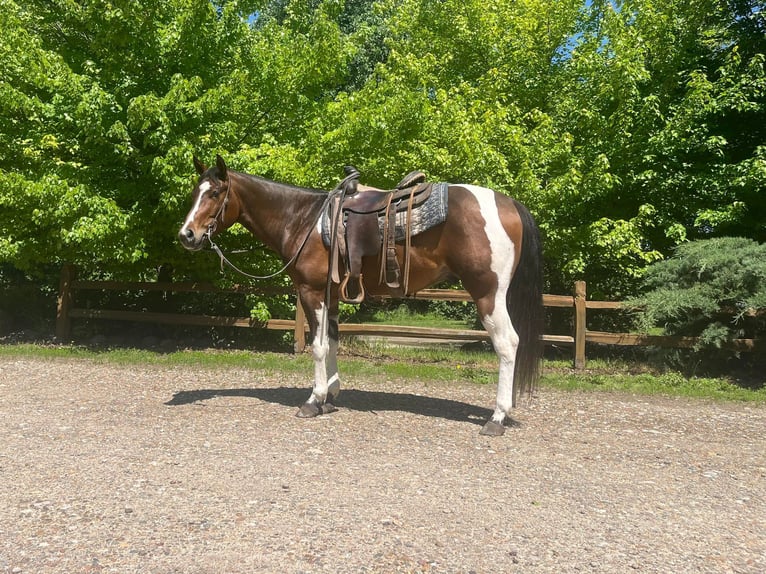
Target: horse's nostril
[{"x": 186, "y": 236}]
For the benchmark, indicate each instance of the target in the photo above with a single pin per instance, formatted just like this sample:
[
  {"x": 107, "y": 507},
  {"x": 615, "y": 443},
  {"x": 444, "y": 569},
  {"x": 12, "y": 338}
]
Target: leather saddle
[{"x": 362, "y": 234}]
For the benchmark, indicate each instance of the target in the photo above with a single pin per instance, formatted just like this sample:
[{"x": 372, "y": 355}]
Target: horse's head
[{"x": 210, "y": 199}]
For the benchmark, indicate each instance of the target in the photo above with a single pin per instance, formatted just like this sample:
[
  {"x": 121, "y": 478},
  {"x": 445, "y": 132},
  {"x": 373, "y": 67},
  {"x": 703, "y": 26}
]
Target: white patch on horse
[
  {"x": 331, "y": 362},
  {"x": 204, "y": 187},
  {"x": 320, "y": 349},
  {"x": 498, "y": 323},
  {"x": 501, "y": 246}
]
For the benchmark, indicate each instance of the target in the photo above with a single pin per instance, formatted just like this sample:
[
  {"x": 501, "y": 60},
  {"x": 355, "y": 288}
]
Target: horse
[{"x": 489, "y": 241}]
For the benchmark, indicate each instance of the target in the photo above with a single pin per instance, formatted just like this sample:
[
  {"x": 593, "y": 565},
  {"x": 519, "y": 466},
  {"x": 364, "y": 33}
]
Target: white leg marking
[
  {"x": 506, "y": 341},
  {"x": 498, "y": 323},
  {"x": 320, "y": 348},
  {"x": 333, "y": 379}
]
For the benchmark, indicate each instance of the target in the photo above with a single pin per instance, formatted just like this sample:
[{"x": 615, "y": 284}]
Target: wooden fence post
[
  {"x": 579, "y": 334},
  {"x": 163, "y": 300},
  {"x": 64, "y": 303},
  {"x": 300, "y": 327}
]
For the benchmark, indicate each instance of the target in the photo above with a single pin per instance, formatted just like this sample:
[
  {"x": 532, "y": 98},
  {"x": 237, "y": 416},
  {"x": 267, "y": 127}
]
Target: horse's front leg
[{"x": 323, "y": 328}]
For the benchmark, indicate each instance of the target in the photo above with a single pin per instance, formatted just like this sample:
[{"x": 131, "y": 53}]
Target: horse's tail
[{"x": 525, "y": 304}]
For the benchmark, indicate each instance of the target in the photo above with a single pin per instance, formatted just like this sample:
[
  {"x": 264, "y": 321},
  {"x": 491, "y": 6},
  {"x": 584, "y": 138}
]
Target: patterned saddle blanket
[{"x": 425, "y": 216}]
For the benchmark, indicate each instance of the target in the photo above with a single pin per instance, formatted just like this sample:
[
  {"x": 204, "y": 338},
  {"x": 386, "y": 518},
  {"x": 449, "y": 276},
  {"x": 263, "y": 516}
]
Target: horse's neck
[{"x": 276, "y": 213}]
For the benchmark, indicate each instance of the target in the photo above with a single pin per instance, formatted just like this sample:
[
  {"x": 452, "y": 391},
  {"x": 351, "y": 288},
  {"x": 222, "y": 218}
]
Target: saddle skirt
[{"x": 429, "y": 214}]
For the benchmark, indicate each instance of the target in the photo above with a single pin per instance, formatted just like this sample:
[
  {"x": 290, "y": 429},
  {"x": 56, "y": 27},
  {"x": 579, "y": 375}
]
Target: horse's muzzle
[{"x": 191, "y": 240}]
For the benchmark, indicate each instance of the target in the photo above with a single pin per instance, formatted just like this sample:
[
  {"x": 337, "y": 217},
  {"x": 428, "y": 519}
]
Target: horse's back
[
  {"x": 471, "y": 202},
  {"x": 461, "y": 246}
]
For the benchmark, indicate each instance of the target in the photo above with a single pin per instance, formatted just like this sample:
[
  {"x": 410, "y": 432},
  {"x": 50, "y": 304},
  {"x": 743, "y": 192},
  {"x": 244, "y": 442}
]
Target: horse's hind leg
[
  {"x": 489, "y": 285},
  {"x": 323, "y": 325},
  {"x": 505, "y": 340}
]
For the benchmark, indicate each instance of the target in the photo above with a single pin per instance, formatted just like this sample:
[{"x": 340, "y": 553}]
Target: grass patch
[
  {"x": 429, "y": 364},
  {"x": 641, "y": 379},
  {"x": 402, "y": 315},
  {"x": 204, "y": 359}
]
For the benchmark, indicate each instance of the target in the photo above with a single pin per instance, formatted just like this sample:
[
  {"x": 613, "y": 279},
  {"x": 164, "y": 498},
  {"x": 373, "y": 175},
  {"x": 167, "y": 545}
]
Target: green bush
[{"x": 714, "y": 289}]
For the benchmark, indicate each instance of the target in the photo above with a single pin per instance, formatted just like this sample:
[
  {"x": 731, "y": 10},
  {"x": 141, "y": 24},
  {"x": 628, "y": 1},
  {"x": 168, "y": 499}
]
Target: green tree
[
  {"x": 666, "y": 116},
  {"x": 627, "y": 126},
  {"x": 107, "y": 102}
]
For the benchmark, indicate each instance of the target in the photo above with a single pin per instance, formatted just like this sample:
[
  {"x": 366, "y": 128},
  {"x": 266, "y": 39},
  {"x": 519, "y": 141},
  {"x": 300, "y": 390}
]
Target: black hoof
[
  {"x": 328, "y": 408},
  {"x": 311, "y": 410},
  {"x": 492, "y": 429},
  {"x": 308, "y": 411}
]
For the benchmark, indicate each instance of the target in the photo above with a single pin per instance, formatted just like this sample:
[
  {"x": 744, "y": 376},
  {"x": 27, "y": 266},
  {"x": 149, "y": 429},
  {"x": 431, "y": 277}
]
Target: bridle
[
  {"x": 220, "y": 213},
  {"x": 224, "y": 260},
  {"x": 339, "y": 190}
]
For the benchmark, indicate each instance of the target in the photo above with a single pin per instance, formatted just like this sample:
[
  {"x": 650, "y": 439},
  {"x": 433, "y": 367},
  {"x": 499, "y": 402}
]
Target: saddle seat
[
  {"x": 365, "y": 199},
  {"x": 360, "y": 210}
]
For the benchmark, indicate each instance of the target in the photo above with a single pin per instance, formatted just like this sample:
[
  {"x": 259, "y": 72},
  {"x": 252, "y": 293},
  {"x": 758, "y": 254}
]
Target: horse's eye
[{"x": 215, "y": 193}]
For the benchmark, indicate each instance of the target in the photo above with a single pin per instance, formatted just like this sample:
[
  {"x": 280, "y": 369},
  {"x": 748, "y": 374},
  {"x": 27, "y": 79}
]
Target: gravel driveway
[{"x": 107, "y": 468}]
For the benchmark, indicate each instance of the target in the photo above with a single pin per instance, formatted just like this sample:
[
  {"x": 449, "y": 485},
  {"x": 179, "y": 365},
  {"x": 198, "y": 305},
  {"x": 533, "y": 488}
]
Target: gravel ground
[{"x": 107, "y": 468}]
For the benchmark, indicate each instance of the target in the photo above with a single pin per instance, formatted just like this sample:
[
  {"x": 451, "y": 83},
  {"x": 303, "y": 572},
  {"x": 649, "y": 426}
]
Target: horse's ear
[
  {"x": 221, "y": 165},
  {"x": 199, "y": 166}
]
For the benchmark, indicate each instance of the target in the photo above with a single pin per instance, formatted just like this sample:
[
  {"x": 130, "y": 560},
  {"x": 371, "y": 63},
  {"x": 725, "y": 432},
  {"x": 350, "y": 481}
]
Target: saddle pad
[{"x": 427, "y": 215}]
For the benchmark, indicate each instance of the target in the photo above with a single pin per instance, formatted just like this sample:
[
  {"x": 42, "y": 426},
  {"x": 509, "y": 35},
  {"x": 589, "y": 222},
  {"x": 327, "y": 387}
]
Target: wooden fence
[{"x": 578, "y": 303}]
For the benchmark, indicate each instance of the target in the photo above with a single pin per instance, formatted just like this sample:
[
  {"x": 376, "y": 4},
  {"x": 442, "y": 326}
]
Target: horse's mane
[{"x": 289, "y": 186}]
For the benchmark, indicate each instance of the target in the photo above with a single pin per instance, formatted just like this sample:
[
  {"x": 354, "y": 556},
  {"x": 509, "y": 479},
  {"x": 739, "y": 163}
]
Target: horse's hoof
[
  {"x": 328, "y": 408},
  {"x": 492, "y": 428},
  {"x": 311, "y": 410},
  {"x": 308, "y": 411}
]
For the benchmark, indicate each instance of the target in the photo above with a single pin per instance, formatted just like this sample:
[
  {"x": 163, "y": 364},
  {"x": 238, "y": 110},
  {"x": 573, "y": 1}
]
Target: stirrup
[{"x": 343, "y": 290}]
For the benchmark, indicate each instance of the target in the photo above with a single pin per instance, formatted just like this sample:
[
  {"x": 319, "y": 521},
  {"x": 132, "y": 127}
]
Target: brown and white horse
[{"x": 489, "y": 241}]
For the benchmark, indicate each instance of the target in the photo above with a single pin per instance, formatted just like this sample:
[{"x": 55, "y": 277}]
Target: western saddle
[{"x": 360, "y": 208}]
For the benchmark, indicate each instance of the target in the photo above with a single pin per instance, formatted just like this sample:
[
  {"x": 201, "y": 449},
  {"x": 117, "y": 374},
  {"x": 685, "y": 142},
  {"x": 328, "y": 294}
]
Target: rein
[
  {"x": 339, "y": 189},
  {"x": 225, "y": 260}
]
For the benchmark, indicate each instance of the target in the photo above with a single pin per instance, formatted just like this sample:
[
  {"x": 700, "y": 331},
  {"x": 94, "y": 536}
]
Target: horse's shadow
[{"x": 351, "y": 399}]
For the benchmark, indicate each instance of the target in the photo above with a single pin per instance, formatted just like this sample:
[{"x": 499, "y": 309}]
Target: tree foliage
[
  {"x": 714, "y": 289},
  {"x": 627, "y": 126}
]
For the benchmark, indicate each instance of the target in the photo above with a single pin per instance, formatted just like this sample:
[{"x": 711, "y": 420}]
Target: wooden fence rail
[{"x": 578, "y": 303}]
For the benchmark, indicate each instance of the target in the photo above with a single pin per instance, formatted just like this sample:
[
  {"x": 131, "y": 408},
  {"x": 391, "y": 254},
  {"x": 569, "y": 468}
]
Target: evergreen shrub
[{"x": 714, "y": 289}]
